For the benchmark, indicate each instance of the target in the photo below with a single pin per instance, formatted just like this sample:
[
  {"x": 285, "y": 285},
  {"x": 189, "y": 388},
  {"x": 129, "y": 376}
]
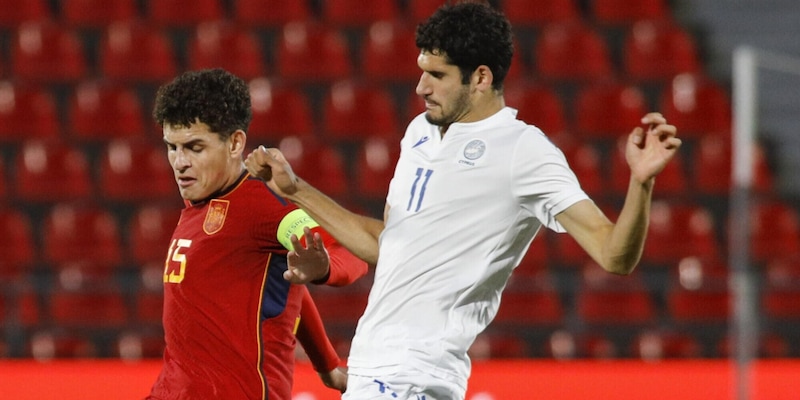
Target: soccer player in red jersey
[{"x": 230, "y": 314}]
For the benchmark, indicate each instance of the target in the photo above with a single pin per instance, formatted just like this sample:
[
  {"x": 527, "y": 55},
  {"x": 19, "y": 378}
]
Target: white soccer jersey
[{"x": 463, "y": 211}]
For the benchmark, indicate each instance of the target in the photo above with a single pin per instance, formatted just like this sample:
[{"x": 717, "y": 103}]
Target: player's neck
[{"x": 480, "y": 111}]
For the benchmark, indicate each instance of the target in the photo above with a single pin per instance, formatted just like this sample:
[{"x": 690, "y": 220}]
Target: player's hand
[
  {"x": 335, "y": 379},
  {"x": 648, "y": 152},
  {"x": 308, "y": 261},
  {"x": 269, "y": 165}
]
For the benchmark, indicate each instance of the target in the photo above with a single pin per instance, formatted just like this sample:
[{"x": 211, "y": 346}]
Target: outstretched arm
[
  {"x": 357, "y": 233},
  {"x": 311, "y": 335},
  {"x": 617, "y": 247}
]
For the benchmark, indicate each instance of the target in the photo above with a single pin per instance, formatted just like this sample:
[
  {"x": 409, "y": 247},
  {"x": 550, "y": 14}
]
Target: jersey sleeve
[
  {"x": 311, "y": 335},
  {"x": 345, "y": 268},
  {"x": 543, "y": 179}
]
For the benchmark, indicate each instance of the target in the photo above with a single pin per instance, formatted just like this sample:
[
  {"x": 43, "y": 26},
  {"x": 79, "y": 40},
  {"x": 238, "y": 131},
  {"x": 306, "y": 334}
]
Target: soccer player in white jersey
[{"x": 472, "y": 187}]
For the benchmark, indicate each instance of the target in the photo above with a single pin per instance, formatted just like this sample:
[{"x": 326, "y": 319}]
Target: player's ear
[
  {"x": 482, "y": 77},
  {"x": 237, "y": 142}
]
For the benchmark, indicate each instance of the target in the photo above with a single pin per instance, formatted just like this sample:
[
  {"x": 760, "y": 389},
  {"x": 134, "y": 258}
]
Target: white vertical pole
[{"x": 744, "y": 327}]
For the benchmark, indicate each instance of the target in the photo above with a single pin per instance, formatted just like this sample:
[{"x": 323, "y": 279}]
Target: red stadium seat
[
  {"x": 95, "y": 14},
  {"x": 14, "y": 12},
  {"x": 279, "y": 110},
  {"x": 780, "y": 294},
  {"x": 48, "y": 172},
  {"x": 320, "y": 164},
  {"x": 357, "y": 13},
  {"x": 270, "y": 13},
  {"x": 88, "y": 307},
  {"x": 136, "y": 53},
  {"x": 518, "y": 71},
  {"x": 83, "y": 239},
  {"x": 310, "y": 53},
  {"x": 47, "y": 345},
  {"x": 656, "y": 51},
  {"x": 101, "y": 111},
  {"x": 46, "y": 52},
  {"x": 353, "y": 111},
  {"x": 609, "y": 110},
  {"x": 340, "y": 308},
  {"x": 656, "y": 345},
  {"x": 132, "y": 171},
  {"x": 598, "y": 346},
  {"x": 420, "y": 10},
  {"x": 219, "y": 44},
  {"x": 374, "y": 166},
  {"x": 673, "y": 181},
  {"x": 769, "y": 345},
  {"x": 712, "y": 167},
  {"x": 18, "y": 246},
  {"x": 561, "y": 44},
  {"x": 561, "y": 345},
  {"x": 521, "y": 13},
  {"x": 529, "y": 301},
  {"x": 565, "y": 345},
  {"x": 149, "y": 297},
  {"x": 539, "y": 105},
  {"x": 27, "y": 112},
  {"x": 4, "y": 191},
  {"x": 133, "y": 346},
  {"x": 489, "y": 345},
  {"x": 612, "y": 300},
  {"x": 696, "y": 104},
  {"x": 536, "y": 259},
  {"x": 625, "y": 12},
  {"x": 150, "y": 230},
  {"x": 184, "y": 13},
  {"x": 698, "y": 293},
  {"x": 389, "y": 53},
  {"x": 567, "y": 252},
  {"x": 774, "y": 230},
  {"x": 677, "y": 231},
  {"x": 586, "y": 162},
  {"x": 25, "y": 306}
]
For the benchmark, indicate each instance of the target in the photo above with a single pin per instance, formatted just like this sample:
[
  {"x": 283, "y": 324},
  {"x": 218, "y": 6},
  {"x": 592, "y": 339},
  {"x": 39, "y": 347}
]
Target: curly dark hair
[
  {"x": 215, "y": 97},
  {"x": 469, "y": 34}
]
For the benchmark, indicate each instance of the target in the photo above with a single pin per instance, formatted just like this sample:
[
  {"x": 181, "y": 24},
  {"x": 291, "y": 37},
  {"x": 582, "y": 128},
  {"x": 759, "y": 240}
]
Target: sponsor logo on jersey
[{"x": 215, "y": 216}]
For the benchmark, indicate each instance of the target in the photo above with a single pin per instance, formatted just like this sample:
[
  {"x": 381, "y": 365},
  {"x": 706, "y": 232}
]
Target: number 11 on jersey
[{"x": 420, "y": 173}]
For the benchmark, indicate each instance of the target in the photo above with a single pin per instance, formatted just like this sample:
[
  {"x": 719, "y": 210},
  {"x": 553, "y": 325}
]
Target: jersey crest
[
  {"x": 472, "y": 152},
  {"x": 215, "y": 216}
]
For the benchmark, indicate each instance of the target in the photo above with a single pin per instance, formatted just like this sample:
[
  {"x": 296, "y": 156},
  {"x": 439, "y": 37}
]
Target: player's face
[
  {"x": 203, "y": 162},
  {"x": 447, "y": 100}
]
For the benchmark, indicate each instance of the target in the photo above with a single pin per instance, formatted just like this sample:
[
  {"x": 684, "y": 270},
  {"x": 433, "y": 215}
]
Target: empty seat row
[
  {"x": 99, "y": 110},
  {"x": 346, "y": 13},
  {"x": 648, "y": 344},
  {"x": 135, "y": 171},
  {"x": 309, "y": 52},
  {"x": 84, "y": 243}
]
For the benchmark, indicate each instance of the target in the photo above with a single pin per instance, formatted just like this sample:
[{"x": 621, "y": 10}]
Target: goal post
[{"x": 748, "y": 61}]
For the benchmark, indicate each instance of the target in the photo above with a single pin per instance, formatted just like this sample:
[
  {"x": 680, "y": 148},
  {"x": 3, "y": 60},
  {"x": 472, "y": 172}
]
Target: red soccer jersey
[{"x": 224, "y": 296}]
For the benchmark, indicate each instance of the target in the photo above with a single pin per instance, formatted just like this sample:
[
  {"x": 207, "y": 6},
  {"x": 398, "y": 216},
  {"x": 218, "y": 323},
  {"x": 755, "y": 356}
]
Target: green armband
[{"x": 293, "y": 224}]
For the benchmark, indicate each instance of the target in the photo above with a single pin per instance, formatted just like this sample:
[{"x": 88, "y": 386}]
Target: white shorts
[{"x": 401, "y": 387}]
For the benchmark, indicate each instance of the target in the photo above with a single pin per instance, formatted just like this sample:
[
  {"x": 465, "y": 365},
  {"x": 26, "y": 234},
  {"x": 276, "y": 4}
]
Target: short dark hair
[
  {"x": 214, "y": 97},
  {"x": 469, "y": 34}
]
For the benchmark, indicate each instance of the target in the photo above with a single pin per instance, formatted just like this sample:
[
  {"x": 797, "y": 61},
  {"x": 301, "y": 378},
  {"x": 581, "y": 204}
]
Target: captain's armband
[{"x": 293, "y": 224}]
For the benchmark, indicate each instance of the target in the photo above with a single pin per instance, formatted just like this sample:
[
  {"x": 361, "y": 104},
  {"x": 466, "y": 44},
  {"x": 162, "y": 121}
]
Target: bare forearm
[
  {"x": 357, "y": 233},
  {"x": 627, "y": 238}
]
